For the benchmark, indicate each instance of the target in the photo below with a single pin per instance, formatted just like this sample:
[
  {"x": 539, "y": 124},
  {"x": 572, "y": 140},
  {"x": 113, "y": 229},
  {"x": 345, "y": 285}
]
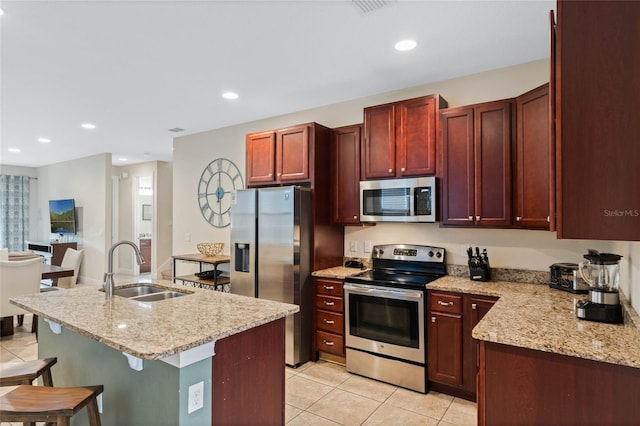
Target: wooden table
[
  {"x": 218, "y": 283},
  {"x": 51, "y": 272}
]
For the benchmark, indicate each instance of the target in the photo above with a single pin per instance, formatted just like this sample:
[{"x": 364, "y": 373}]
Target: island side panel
[
  {"x": 249, "y": 377},
  {"x": 157, "y": 395},
  {"x": 529, "y": 387}
]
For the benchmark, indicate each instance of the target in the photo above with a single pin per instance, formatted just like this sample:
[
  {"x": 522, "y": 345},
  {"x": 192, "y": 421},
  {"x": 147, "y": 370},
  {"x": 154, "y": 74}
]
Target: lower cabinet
[
  {"x": 329, "y": 317},
  {"x": 452, "y": 354}
]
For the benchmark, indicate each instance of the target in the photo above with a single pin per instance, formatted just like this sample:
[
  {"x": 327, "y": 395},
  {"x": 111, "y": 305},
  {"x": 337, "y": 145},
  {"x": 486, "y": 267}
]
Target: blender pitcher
[{"x": 601, "y": 270}]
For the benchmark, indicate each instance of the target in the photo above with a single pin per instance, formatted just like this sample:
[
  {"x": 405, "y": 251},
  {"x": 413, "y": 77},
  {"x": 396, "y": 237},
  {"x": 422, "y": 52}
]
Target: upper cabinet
[
  {"x": 345, "y": 163},
  {"x": 477, "y": 189},
  {"x": 534, "y": 161},
  {"x": 400, "y": 138},
  {"x": 286, "y": 156},
  {"x": 597, "y": 99}
]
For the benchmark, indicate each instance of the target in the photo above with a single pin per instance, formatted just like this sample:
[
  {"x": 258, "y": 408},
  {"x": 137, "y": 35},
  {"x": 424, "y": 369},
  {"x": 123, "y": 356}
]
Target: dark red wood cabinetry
[
  {"x": 345, "y": 163},
  {"x": 534, "y": 166},
  {"x": 400, "y": 138},
  {"x": 286, "y": 156},
  {"x": 477, "y": 187},
  {"x": 329, "y": 317},
  {"x": 597, "y": 96},
  {"x": 452, "y": 354}
]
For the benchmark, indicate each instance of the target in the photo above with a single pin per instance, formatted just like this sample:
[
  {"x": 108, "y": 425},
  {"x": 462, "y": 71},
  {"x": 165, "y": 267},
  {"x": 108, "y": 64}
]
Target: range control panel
[{"x": 409, "y": 252}]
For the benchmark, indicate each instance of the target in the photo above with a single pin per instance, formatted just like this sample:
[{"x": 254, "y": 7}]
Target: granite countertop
[
  {"x": 154, "y": 330},
  {"x": 338, "y": 272},
  {"x": 537, "y": 317}
]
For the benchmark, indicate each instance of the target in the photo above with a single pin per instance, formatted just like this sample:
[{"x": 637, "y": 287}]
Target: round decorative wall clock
[{"x": 218, "y": 180}]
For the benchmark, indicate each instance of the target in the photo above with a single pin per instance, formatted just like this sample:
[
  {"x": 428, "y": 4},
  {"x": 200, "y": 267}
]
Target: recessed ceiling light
[
  {"x": 44, "y": 140},
  {"x": 1, "y": 12},
  {"x": 88, "y": 126},
  {"x": 405, "y": 45},
  {"x": 14, "y": 150},
  {"x": 122, "y": 159},
  {"x": 230, "y": 95}
]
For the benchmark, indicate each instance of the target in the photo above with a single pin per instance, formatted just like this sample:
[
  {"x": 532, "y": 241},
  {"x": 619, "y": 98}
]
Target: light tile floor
[{"x": 319, "y": 393}]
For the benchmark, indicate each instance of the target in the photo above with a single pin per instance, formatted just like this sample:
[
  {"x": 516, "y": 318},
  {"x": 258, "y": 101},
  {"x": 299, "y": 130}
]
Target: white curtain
[{"x": 14, "y": 211}]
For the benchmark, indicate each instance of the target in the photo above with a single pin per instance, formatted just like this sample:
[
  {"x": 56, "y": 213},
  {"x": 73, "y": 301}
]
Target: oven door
[{"x": 386, "y": 321}]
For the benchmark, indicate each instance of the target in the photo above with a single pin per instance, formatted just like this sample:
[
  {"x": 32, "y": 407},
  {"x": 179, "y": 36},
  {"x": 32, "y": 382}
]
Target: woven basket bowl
[{"x": 210, "y": 249}]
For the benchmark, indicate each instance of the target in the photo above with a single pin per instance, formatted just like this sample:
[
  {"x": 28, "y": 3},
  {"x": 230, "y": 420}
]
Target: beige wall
[
  {"x": 88, "y": 181},
  {"x": 534, "y": 250}
]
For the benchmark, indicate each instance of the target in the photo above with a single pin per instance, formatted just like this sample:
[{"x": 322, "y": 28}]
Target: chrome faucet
[{"x": 108, "y": 277}]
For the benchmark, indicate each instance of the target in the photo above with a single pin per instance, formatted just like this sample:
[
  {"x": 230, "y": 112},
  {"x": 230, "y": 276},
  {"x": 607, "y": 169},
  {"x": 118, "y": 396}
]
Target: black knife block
[{"x": 479, "y": 271}]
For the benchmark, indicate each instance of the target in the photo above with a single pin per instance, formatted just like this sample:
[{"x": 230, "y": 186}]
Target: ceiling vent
[
  {"x": 366, "y": 6},
  {"x": 176, "y": 130}
]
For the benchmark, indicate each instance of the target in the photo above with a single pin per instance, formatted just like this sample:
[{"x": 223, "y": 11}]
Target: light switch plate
[
  {"x": 353, "y": 246},
  {"x": 196, "y": 397},
  {"x": 368, "y": 247}
]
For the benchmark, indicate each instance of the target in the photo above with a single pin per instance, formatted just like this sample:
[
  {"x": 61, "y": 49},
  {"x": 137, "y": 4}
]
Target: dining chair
[
  {"x": 71, "y": 260},
  {"x": 17, "y": 278}
]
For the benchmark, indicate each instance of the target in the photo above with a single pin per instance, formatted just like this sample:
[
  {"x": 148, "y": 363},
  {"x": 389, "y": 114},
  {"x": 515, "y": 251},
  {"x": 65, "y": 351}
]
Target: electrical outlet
[
  {"x": 187, "y": 236},
  {"x": 196, "y": 397},
  {"x": 353, "y": 246},
  {"x": 368, "y": 247}
]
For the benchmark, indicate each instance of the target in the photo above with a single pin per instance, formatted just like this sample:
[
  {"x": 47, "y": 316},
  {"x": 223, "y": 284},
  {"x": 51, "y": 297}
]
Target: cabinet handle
[
  {"x": 441, "y": 303},
  {"x": 328, "y": 287},
  {"x": 433, "y": 319},
  {"x": 518, "y": 218},
  {"x": 474, "y": 306},
  {"x": 355, "y": 217},
  {"x": 390, "y": 170},
  {"x": 270, "y": 174},
  {"x": 470, "y": 218},
  {"x": 478, "y": 218},
  {"x": 279, "y": 174},
  {"x": 402, "y": 169},
  {"x": 329, "y": 303},
  {"x": 326, "y": 321},
  {"x": 549, "y": 219},
  {"x": 328, "y": 342}
]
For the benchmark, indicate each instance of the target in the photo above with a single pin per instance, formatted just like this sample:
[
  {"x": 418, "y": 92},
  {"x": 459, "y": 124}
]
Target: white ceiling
[{"x": 139, "y": 68}]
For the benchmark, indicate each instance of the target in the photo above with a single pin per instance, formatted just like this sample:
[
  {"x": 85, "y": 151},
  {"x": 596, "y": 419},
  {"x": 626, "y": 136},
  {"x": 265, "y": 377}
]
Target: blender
[{"x": 602, "y": 272}]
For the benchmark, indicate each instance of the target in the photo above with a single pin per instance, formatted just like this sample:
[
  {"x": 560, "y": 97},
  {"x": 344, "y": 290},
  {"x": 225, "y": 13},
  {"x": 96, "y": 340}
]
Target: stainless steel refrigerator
[{"x": 271, "y": 256}]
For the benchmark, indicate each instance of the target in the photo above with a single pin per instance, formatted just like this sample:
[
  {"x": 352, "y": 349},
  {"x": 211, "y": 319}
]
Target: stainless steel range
[{"x": 385, "y": 314}]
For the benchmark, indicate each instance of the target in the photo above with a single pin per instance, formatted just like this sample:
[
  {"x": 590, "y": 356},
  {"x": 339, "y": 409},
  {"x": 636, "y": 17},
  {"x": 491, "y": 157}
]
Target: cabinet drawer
[
  {"x": 444, "y": 302},
  {"x": 329, "y": 303},
  {"x": 330, "y": 287},
  {"x": 329, "y": 342},
  {"x": 330, "y": 321}
]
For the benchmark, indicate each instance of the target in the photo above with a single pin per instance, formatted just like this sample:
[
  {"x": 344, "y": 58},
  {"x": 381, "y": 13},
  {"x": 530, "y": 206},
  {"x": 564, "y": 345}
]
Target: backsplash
[{"x": 504, "y": 274}]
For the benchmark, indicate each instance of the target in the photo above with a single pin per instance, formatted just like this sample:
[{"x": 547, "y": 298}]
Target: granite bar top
[
  {"x": 537, "y": 317},
  {"x": 154, "y": 330},
  {"x": 338, "y": 272}
]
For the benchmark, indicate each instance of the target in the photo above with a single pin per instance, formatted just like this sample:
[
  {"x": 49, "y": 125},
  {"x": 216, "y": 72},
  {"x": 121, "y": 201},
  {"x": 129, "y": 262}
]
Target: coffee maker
[{"x": 602, "y": 272}]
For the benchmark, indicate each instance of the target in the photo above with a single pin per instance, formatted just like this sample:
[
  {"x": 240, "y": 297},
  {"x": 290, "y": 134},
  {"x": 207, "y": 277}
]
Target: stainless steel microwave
[{"x": 398, "y": 200}]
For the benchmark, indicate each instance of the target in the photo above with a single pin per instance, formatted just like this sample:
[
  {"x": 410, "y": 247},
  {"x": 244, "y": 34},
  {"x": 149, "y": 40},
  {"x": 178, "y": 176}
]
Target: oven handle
[{"x": 412, "y": 294}]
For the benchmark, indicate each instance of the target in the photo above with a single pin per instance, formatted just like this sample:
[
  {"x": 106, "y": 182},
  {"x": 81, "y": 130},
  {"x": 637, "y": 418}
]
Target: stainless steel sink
[
  {"x": 148, "y": 293},
  {"x": 137, "y": 290},
  {"x": 159, "y": 296}
]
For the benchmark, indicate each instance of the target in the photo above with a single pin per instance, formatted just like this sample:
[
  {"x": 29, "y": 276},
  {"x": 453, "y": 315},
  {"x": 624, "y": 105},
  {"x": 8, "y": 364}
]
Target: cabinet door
[
  {"x": 458, "y": 168},
  {"x": 533, "y": 149},
  {"x": 292, "y": 154},
  {"x": 477, "y": 308},
  {"x": 260, "y": 158},
  {"x": 379, "y": 147},
  {"x": 346, "y": 175},
  {"x": 493, "y": 194},
  {"x": 416, "y": 137},
  {"x": 597, "y": 128},
  {"x": 444, "y": 334}
]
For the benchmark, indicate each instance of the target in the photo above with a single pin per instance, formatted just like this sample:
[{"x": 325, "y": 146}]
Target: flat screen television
[{"x": 63, "y": 216}]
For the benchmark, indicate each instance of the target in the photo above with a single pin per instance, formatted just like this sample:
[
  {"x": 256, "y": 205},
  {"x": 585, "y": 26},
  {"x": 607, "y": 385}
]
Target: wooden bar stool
[
  {"x": 30, "y": 404},
  {"x": 24, "y": 373}
]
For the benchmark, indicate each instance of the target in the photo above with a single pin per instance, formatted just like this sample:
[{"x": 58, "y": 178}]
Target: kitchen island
[
  {"x": 203, "y": 358},
  {"x": 540, "y": 364}
]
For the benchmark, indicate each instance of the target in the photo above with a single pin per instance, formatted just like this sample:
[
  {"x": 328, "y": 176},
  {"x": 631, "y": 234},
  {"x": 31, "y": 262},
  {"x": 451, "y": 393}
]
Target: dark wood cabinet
[
  {"x": 400, "y": 138},
  {"x": 533, "y": 166},
  {"x": 452, "y": 352},
  {"x": 329, "y": 317},
  {"x": 145, "y": 251},
  {"x": 597, "y": 57},
  {"x": 286, "y": 156},
  {"x": 477, "y": 176},
  {"x": 345, "y": 162},
  {"x": 444, "y": 338}
]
